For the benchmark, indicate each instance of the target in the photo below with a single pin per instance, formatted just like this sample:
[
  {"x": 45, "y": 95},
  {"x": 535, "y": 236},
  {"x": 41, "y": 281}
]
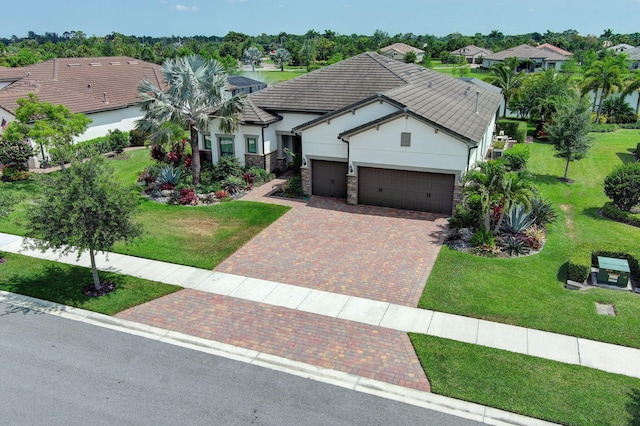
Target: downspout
[
  {"x": 264, "y": 154},
  {"x": 469, "y": 155}
]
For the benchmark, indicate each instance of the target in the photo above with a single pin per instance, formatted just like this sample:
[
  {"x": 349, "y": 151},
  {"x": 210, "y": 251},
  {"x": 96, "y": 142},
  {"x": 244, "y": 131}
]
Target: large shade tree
[
  {"x": 83, "y": 208},
  {"x": 569, "y": 131},
  {"x": 197, "y": 92}
]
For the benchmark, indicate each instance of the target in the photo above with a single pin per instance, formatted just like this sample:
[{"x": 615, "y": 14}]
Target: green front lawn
[
  {"x": 529, "y": 291},
  {"x": 534, "y": 387},
  {"x": 200, "y": 236},
  {"x": 62, "y": 283}
]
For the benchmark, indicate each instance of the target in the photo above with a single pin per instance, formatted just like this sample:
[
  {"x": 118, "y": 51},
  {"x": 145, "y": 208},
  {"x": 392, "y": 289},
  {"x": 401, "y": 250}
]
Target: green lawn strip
[
  {"x": 199, "y": 236},
  {"x": 63, "y": 283},
  {"x": 534, "y": 387},
  {"x": 529, "y": 291}
]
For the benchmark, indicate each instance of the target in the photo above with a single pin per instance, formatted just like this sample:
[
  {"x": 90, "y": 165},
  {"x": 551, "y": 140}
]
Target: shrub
[
  {"x": 293, "y": 187},
  {"x": 118, "y": 141},
  {"x": 227, "y": 166},
  {"x": 208, "y": 188},
  {"x": 482, "y": 237},
  {"x": 542, "y": 212},
  {"x": 222, "y": 194},
  {"x": 15, "y": 172},
  {"x": 137, "y": 137},
  {"x": 611, "y": 211},
  {"x": 603, "y": 128},
  {"x": 516, "y": 158},
  {"x": 249, "y": 178},
  {"x": 14, "y": 152},
  {"x": 468, "y": 214},
  {"x": 579, "y": 264},
  {"x": 261, "y": 175},
  {"x": 233, "y": 184},
  {"x": 622, "y": 186},
  {"x": 187, "y": 197}
]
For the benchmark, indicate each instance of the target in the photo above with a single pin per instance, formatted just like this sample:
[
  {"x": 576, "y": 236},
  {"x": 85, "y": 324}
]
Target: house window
[
  {"x": 405, "y": 139},
  {"x": 207, "y": 142},
  {"x": 226, "y": 146},
  {"x": 252, "y": 144}
]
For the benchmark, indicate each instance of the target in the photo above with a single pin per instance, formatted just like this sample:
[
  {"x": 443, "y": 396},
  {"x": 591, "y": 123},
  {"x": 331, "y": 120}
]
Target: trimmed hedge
[
  {"x": 579, "y": 264},
  {"x": 516, "y": 129},
  {"x": 516, "y": 158},
  {"x": 612, "y": 212}
]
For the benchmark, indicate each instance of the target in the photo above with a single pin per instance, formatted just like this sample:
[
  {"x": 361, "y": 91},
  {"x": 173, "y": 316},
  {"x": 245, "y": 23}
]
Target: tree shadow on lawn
[
  {"x": 627, "y": 157},
  {"x": 548, "y": 179},
  {"x": 594, "y": 213},
  {"x": 55, "y": 283},
  {"x": 633, "y": 407},
  {"x": 563, "y": 272}
]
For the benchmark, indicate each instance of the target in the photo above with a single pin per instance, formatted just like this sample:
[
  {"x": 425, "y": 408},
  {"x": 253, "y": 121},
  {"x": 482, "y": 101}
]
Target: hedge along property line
[
  {"x": 517, "y": 129},
  {"x": 584, "y": 257}
]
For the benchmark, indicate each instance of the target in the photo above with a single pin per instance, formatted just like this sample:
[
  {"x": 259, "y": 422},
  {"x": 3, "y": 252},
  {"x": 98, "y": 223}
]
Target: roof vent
[
  {"x": 28, "y": 74},
  {"x": 477, "y": 100},
  {"x": 430, "y": 84},
  {"x": 95, "y": 64},
  {"x": 73, "y": 65},
  {"x": 114, "y": 63},
  {"x": 104, "y": 97},
  {"x": 132, "y": 62},
  {"x": 89, "y": 87}
]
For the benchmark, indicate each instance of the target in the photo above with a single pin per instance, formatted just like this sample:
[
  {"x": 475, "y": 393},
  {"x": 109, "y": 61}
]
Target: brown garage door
[
  {"x": 401, "y": 189},
  {"x": 329, "y": 178}
]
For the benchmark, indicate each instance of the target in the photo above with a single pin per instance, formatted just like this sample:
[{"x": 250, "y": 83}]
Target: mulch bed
[{"x": 106, "y": 288}]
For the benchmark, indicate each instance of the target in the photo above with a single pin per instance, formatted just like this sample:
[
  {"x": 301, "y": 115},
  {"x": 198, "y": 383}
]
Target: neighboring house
[
  {"x": 240, "y": 84},
  {"x": 397, "y": 51},
  {"x": 554, "y": 49},
  {"x": 633, "y": 56},
  {"x": 472, "y": 54},
  {"x": 371, "y": 130},
  {"x": 543, "y": 57},
  {"x": 621, "y": 48}
]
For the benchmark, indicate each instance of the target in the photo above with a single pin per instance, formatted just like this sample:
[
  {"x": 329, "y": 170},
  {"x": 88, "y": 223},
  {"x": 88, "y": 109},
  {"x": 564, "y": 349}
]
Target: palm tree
[
  {"x": 606, "y": 75},
  {"x": 252, "y": 55},
  {"x": 197, "y": 92},
  {"x": 281, "y": 58},
  {"x": 505, "y": 77},
  {"x": 633, "y": 85}
]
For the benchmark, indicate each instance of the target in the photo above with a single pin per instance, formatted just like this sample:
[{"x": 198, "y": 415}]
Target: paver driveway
[{"x": 365, "y": 251}]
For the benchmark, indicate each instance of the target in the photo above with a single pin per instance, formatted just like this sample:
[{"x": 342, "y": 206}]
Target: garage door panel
[
  {"x": 404, "y": 189},
  {"x": 329, "y": 178}
]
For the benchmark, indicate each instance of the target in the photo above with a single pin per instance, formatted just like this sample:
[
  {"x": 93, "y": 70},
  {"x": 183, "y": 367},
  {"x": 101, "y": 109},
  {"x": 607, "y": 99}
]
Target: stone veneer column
[
  {"x": 352, "y": 189},
  {"x": 305, "y": 173},
  {"x": 254, "y": 160},
  {"x": 457, "y": 197}
]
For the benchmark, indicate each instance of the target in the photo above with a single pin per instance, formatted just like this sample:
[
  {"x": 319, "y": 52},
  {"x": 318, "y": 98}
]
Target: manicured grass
[
  {"x": 62, "y": 283},
  {"x": 534, "y": 387},
  {"x": 529, "y": 291},
  {"x": 194, "y": 236}
]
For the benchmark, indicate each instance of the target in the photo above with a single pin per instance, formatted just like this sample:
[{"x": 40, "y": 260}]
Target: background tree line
[{"x": 311, "y": 47}]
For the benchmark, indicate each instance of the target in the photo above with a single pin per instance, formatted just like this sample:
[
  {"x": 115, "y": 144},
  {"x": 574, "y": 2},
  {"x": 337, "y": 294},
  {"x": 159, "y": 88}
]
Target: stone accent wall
[
  {"x": 281, "y": 163},
  {"x": 271, "y": 161},
  {"x": 457, "y": 197},
  {"x": 305, "y": 173},
  {"x": 254, "y": 160},
  {"x": 352, "y": 189}
]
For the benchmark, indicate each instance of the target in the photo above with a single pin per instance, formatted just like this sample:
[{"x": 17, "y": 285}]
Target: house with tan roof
[
  {"x": 398, "y": 51},
  {"x": 472, "y": 54},
  {"x": 104, "y": 88},
  {"x": 538, "y": 58},
  {"x": 369, "y": 129}
]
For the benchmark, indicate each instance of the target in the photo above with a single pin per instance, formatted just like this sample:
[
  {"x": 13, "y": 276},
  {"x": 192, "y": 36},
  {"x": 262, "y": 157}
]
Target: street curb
[{"x": 431, "y": 401}]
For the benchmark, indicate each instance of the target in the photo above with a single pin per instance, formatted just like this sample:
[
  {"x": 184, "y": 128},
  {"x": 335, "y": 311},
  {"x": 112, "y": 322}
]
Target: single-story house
[
  {"x": 397, "y": 51},
  {"x": 621, "y": 48},
  {"x": 471, "y": 53},
  {"x": 368, "y": 129},
  {"x": 543, "y": 57},
  {"x": 104, "y": 88}
]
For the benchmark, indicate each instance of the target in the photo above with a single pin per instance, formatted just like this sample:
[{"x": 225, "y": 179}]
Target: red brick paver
[
  {"x": 359, "y": 349},
  {"x": 365, "y": 251}
]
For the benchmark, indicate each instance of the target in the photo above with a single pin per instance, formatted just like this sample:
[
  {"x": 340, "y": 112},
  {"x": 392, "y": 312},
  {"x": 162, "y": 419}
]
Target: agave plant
[
  {"x": 169, "y": 175},
  {"x": 515, "y": 245},
  {"x": 517, "y": 219},
  {"x": 543, "y": 212}
]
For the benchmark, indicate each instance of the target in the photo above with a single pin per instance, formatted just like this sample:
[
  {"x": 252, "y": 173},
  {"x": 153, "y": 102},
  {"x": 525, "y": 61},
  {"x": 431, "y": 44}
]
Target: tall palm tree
[
  {"x": 197, "y": 92},
  {"x": 281, "y": 58},
  {"x": 252, "y": 55},
  {"x": 504, "y": 75},
  {"x": 633, "y": 85},
  {"x": 607, "y": 75}
]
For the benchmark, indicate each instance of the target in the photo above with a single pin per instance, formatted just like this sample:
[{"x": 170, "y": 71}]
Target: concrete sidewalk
[{"x": 522, "y": 340}]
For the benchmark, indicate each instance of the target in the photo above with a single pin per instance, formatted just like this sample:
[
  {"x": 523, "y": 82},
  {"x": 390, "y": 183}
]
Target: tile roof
[
  {"x": 83, "y": 85},
  {"x": 471, "y": 50},
  {"x": 555, "y": 49},
  {"x": 446, "y": 102},
  {"x": 402, "y": 48},
  {"x": 525, "y": 51},
  {"x": 251, "y": 114},
  {"x": 633, "y": 54}
]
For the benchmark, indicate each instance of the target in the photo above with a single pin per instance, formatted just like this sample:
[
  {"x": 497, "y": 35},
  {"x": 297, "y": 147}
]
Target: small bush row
[
  {"x": 612, "y": 212},
  {"x": 585, "y": 257}
]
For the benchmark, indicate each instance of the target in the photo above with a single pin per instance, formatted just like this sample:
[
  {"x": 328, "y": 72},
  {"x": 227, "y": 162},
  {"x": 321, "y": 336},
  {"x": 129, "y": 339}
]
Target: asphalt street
[{"x": 57, "y": 371}]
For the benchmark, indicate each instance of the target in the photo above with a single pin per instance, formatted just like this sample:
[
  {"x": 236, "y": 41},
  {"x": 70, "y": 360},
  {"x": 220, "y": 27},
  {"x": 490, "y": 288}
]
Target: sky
[{"x": 254, "y": 17}]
